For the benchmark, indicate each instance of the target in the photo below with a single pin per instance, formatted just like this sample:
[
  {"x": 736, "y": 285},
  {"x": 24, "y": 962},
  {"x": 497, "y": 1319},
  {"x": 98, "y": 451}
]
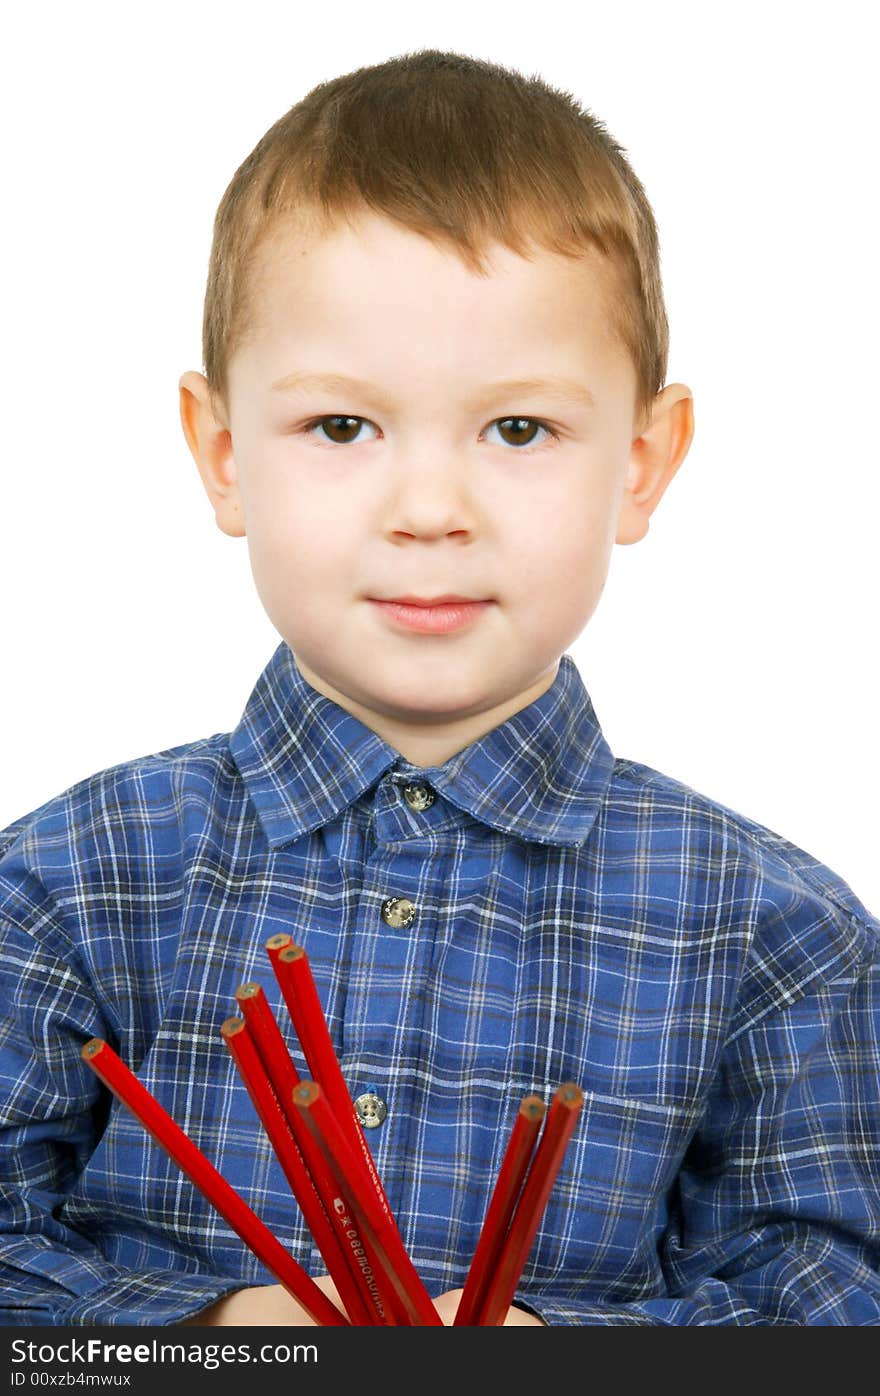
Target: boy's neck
[{"x": 430, "y": 743}]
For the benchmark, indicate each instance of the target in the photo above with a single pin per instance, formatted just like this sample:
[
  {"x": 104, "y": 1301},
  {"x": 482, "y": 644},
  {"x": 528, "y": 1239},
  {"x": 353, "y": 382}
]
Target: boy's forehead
[
  {"x": 303, "y": 267},
  {"x": 376, "y": 302}
]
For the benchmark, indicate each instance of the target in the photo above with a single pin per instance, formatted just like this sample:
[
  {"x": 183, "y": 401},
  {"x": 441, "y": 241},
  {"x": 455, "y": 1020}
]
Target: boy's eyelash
[{"x": 308, "y": 427}]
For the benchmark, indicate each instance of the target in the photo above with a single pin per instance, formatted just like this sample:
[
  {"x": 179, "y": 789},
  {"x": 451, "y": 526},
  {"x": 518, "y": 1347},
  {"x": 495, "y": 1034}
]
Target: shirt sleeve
[
  {"x": 775, "y": 1216},
  {"x": 51, "y": 1118}
]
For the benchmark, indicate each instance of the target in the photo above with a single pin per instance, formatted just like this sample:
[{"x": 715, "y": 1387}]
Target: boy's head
[{"x": 470, "y": 251}]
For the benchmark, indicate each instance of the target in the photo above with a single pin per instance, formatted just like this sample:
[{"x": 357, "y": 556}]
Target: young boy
[{"x": 435, "y": 351}]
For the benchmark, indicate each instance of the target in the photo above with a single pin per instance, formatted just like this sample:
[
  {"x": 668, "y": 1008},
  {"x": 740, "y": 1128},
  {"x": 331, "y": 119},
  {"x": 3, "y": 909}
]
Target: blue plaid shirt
[{"x": 570, "y": 916}]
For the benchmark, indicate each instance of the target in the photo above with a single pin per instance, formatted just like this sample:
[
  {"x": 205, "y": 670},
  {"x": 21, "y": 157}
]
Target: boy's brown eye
[
  {"x": 521, "y": 429},
  {"x": 342, "y": 430}
]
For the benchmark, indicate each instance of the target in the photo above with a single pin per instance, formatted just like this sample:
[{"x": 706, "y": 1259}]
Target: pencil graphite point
[
  {"x": 306, "y": 1092},
  {"x": 533, "y": 1107},
  {"x": 569, "y": 1093},
  {"x": 247, "y": 991},
  {"x": 278, "y": 942},
  {"x": 292, "y": 952}
]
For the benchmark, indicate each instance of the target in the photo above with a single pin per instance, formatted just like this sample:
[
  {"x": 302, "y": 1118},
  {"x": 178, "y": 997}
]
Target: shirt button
[
  {"x": 371, "y": 1109},
  {"x": 398, "y": 911},
  {"x": 418, "y": 797}
]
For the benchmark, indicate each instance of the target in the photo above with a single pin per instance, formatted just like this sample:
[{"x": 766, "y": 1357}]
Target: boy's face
[{"x": 427, "y": 477}]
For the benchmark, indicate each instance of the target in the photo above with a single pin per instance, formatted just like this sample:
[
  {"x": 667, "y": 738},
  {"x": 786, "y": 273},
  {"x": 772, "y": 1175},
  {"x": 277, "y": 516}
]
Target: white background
[{"x": 734, "y": 647}]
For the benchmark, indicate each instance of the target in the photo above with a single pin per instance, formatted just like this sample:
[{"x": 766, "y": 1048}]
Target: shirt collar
[{"x": 541, "y": 775}]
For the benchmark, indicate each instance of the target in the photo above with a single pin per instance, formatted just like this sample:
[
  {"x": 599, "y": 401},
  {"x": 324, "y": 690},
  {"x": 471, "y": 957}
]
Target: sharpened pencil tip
[
  {"x": 570, "y": 1094},
  {"x": 292, "y": 952},
  {"x": 277, "y": 941},
  {"x": 305, "y": 1093},
  {"x": 533, "y": 1107}
]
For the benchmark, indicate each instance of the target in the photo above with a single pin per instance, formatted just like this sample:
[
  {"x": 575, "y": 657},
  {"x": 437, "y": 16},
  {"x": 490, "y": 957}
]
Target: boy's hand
[
  {"x": 272, "y": 1306},
  {"x": 447, "y": 1304},
  {"x": 260, "y": 1305}
]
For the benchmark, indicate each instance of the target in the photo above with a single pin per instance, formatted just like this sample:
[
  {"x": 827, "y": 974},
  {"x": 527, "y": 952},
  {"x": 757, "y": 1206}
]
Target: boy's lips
[
  {"x": 446, "y": 599},
  {"x": 434, "y": 615}
]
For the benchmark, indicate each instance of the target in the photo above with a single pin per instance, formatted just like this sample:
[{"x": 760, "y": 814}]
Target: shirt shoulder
[
  {"x": 135, "y": 808},
  {"x": 800, "y": 922},
  {"x": 768, "y": 851}
]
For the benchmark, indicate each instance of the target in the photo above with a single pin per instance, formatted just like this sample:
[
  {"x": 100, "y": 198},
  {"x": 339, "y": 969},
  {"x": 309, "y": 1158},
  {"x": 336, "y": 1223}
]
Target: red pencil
[
  {"x": 376, "y": 1224},
  {"x": 166, "y": 1133},
  {"x": 514, "y": 1165},
  {"x": 293, "y": 972},
  {"x": 275, "y": 944},
  {"x": 294, "y": 975},
  {"x": 300, "y": 992},
  {"x": 244, "y": 1053},
  {"x": 272, "y": 1048},
  {"x": 561, "y": 1120}
]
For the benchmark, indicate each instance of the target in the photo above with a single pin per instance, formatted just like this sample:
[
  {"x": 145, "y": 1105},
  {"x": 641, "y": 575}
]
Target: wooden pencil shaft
[
  {"x": 118, "y": 1078},
  {"x": 293, "y": 973},
  {"x": 367, "y": 1265},
  {"x": 295, "y": 977},
  {"x": 265, "y": 1101},
  {"x": 268, "y": 1037},
  {"x": 365, "y": 1261},
  {"x": 514, "y": 1165},
  {"x": 388, "y": 1260},
  {"x": 300, "y": 992},
  {"x": 558, "y": 1129},
  {"x": 283, "y": 1076},
  {"x": 377, "y": 1225}
]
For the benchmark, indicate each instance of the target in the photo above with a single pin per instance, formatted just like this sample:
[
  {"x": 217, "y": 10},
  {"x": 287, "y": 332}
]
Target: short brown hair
[{"x": 463, "y": 151}]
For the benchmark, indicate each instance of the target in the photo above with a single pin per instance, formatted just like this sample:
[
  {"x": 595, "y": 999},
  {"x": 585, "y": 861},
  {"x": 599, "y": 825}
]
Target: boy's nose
[{"x": 430, "y": 501}]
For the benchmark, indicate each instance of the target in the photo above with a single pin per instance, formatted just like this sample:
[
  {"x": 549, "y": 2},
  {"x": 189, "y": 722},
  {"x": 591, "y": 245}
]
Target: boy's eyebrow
[{"x": 563, "y": 389}]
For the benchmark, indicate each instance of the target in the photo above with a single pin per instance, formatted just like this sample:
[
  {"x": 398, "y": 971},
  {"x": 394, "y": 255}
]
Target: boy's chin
[
  {"x": 429, "y": 699},
  {"x": 434, "y": 704},
  {"x": 411, "y": 686}
]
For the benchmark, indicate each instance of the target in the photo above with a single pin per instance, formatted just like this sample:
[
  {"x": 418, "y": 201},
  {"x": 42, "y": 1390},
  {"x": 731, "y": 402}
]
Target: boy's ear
[
  {"x": 210, "y": 441},
  {"x": 654, "y": 459}
]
